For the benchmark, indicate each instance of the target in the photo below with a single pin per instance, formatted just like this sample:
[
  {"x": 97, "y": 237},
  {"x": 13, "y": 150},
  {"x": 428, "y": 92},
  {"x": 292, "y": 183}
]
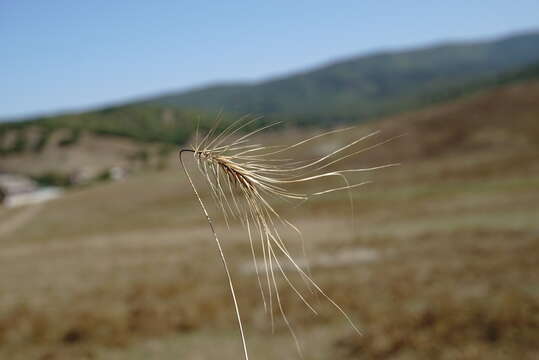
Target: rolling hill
[
  {"x": 366, "y": 86},
  {"x": 353, "y": 90}
]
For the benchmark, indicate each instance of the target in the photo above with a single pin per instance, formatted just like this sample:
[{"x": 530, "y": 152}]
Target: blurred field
[{"x": 442, "y": 263}]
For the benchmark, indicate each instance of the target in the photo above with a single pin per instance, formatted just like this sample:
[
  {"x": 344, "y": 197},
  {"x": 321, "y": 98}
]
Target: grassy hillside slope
[
  {"x": 143, "y": 123},
  {"x": 131, "y": 136}
]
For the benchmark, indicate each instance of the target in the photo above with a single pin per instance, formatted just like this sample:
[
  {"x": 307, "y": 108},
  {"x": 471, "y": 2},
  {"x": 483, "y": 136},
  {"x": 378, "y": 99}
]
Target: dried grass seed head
[{"x": 242, "y": 178}]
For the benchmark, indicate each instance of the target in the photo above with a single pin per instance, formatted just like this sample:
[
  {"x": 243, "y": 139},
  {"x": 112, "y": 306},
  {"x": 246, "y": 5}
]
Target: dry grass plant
[{"x": 244, "y": 178}]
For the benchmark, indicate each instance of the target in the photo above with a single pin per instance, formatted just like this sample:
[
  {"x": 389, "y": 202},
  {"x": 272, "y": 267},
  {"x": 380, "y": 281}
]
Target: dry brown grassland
[{"x": 442, "y": 263}]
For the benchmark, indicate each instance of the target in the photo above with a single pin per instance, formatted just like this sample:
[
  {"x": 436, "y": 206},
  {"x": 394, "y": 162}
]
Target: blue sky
[{"x": 68, "y": 55}]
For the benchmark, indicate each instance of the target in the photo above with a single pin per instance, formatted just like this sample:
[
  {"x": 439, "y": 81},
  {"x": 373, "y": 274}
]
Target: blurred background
[{"x": 105, "y": 254}]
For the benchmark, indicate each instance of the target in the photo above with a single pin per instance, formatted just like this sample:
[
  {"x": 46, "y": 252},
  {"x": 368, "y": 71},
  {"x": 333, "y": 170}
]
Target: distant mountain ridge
[
  {"x": 365, "y": 86},
  {"x": 353, "y": 90}
]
